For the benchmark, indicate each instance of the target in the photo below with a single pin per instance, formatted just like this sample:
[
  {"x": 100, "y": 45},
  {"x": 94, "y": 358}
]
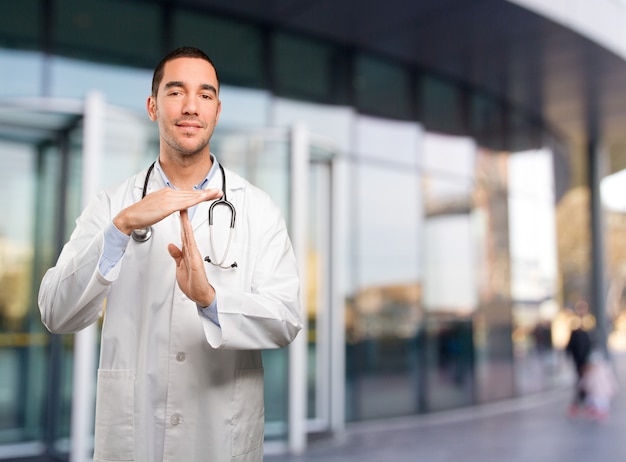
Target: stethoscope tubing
[{"x": 144, "y": 234}]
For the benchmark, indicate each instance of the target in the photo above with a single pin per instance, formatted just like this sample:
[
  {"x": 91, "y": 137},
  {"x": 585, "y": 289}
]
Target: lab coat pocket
[
  {"x": 249, "y": 414},
  {"x": 114, "y": 438}
]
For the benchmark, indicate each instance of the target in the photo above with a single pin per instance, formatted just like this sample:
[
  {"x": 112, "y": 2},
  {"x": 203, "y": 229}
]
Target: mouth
[{"x": 188, "y": 125}]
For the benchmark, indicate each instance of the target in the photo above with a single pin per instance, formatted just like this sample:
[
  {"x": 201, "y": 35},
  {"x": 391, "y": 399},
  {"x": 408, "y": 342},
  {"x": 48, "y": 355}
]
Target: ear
[
  {"x": 151, "y": 107},
  {"x": 219, "y": 110}
]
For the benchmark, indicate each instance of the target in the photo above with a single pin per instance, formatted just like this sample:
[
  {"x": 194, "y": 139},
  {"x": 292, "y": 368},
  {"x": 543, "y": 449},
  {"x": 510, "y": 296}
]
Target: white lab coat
[{"x": 172, "y": 385}]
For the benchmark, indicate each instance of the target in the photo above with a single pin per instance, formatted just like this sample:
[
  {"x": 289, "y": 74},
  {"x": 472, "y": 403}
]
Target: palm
[{"x": 190, "y": 274}]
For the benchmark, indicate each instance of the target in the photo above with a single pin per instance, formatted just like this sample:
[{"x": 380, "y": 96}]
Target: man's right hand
[{"x": 160, "y": 204}]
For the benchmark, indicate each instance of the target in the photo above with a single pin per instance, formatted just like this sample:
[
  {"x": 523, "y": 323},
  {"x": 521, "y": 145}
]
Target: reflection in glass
[
  {"x": 534, "y": 282},
  {"x": 450, "y": 271},
  {"x": 384, "y": 313},
  {"x": 22, "y": 362},
  {"x": 492, "y": 321}
]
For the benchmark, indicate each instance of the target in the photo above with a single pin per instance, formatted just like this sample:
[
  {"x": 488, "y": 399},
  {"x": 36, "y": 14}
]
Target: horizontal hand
[{"x": 158, "y": 205}]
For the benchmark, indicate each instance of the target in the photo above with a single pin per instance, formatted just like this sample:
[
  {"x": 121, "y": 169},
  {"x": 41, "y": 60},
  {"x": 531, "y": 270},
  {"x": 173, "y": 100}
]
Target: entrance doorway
[{"x": 38, "y": 153}]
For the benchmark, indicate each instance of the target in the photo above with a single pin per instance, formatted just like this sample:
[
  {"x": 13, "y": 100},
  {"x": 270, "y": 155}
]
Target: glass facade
[{"x": 450, "y": 288}]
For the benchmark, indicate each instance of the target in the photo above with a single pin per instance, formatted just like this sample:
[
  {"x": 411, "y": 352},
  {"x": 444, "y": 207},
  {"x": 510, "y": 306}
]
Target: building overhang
[{"x": 574, "y": 85}]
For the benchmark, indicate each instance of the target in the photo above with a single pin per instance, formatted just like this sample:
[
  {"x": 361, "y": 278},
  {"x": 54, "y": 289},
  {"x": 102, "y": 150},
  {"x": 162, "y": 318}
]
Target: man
[{"x": 180, "y": 376}]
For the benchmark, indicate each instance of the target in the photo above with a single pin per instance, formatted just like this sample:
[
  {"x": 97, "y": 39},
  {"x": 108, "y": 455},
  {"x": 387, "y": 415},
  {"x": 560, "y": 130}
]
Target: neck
[{"x": 186, "y": 172}]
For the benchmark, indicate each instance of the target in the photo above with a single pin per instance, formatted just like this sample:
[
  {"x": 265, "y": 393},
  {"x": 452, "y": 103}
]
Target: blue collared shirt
[{"x": 115, "y": 241}]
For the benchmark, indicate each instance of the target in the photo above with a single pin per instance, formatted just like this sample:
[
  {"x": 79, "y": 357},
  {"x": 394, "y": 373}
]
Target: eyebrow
[{"x": 178, "y": 83}]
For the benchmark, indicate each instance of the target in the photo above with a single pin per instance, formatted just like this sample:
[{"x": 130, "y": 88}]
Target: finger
[
  {"x": 211, "y": 194},
  {"x": 185, "y": 226},
  {"x": 175, "y": 252},
  {"x": 187, "y": 229},
  {"x": 186, "y": 199}
]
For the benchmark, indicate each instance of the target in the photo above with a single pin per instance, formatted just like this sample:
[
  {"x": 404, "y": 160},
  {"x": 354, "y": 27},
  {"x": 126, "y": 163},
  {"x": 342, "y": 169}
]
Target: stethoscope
[{"x": 143, "y": 234}]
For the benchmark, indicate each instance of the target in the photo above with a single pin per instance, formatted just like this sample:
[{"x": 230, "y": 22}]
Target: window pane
[
  {"x": 451, "y": 155},
  {"x": 113, "y": 30},
  {"x": 22, "y": 340},
  {"x": 22, "y": 26},
  {"x": 383, "y": 318},
  {"x": 302, "y": 68},
  {"x": 451, "y": 260},
  {"x": 382, "y": 88},
  {"x": 493, "y": 320},
  {"x": 534, "y": 282},
  {"x": 235, "y": 47},
  {"x": 441, "y": 106},
  {"x": 486, "y": 121},
  {"x": 21, "y": 73},
  {"x": 120, "y": 86},
  {"x": 388, "y": 140}
]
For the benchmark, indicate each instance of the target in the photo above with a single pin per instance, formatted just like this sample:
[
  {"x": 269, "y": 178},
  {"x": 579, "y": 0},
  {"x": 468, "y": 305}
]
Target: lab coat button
[
  {"x": 180, "y": 356},
  {"x": 175, "y": 419}
]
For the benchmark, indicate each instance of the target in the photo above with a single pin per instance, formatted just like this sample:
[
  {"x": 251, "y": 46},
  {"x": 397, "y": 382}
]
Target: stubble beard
[{"x": 180, "y": 150}]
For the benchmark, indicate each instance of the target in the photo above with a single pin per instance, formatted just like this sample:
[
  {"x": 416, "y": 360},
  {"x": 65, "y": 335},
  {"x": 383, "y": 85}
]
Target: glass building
[{"x": 438, "y": 164}]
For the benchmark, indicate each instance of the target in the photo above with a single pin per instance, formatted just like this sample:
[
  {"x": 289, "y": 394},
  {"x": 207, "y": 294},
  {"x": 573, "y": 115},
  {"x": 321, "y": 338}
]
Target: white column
[
  {"x": 81, "y": 432},
  {"x": 298, "y": 348},
  {"x": 340, "y": 191}
]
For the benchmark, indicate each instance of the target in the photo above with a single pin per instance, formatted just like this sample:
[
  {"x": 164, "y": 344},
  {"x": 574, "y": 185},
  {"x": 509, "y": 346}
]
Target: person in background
[
  {"x": 579, "y": 348},
  {"x": 599, "y": 385},
  {"x": 191, "y": 298}
]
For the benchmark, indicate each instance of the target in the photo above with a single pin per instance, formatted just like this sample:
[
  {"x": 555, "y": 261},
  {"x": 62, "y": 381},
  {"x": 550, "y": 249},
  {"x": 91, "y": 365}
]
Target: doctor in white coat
[{"x": 180, "y": 375}]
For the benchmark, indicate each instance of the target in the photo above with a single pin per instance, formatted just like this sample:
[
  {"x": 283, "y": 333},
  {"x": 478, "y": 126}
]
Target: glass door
[
  {"x": 41, "y": 151},
  {"x": 22, "y": 343},
  {"x": 265, "y": 159},
  {"x": 35, "y": 367}
]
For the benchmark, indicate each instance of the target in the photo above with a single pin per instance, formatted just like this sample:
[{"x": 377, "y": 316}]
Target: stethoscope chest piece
[{"x": 142, "y": 234}]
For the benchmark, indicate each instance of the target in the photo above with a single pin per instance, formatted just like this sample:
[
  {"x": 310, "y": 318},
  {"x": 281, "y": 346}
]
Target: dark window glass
[
  {"x": 524, "y": 134},
  {"x": 21, "y": 27},
  {"x": 108, "y": 30},
  {"x": 486, "y": 121},
  {"x": 302, "y": 68},
  {"x": 235, "y": 47},
  {"x": 441, "y": 108},
  {"x": 382, "y": 88}
]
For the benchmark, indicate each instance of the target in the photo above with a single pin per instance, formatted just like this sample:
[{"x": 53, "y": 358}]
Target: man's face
[{"x": 187, "y": 106}]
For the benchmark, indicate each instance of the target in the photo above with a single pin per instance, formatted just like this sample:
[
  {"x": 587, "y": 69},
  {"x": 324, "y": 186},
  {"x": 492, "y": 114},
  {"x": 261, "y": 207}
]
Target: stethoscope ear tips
[{"x": 208, "y": 260}]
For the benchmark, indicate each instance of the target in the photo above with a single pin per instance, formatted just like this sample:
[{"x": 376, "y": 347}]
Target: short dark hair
[{"x": 182, "y": 52}]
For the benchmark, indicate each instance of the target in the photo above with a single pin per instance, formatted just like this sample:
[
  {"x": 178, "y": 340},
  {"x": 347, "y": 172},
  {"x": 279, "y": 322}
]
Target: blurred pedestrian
[
  {"x": 599, "y": 385},
  {"x": 579, "y": 348}
]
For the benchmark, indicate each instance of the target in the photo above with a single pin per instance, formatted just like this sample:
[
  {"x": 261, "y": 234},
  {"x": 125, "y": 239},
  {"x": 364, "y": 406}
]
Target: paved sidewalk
[{"x": 529, "y": 429}]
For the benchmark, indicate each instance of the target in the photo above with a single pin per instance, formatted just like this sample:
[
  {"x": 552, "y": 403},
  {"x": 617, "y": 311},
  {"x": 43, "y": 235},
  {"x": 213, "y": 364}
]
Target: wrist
[
  {"x": 206, "y": 300},
  {"x": 118, "y": 222}
]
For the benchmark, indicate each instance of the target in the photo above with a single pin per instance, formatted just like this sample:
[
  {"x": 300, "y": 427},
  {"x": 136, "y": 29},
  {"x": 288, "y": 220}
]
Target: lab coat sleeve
[
  {"x": 72, "y": 293},
  {"x": 267, "y": 313}
]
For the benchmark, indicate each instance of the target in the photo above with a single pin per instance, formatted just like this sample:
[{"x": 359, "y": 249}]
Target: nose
[{"x": 189, "y": 105}]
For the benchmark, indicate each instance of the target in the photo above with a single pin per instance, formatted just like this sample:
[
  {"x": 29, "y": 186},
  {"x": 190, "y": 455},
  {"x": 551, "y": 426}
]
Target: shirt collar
[{"x": 212, "y": 172}]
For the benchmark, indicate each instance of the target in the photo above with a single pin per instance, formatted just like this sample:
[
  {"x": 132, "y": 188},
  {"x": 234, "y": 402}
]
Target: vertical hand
[{"x": 190, "y": 273}]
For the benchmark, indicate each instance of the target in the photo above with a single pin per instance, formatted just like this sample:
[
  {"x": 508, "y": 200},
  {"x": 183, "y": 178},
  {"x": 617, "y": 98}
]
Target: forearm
[
  {"x": 267, "y": 316},
  {"x": 71, "y": 293}
]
